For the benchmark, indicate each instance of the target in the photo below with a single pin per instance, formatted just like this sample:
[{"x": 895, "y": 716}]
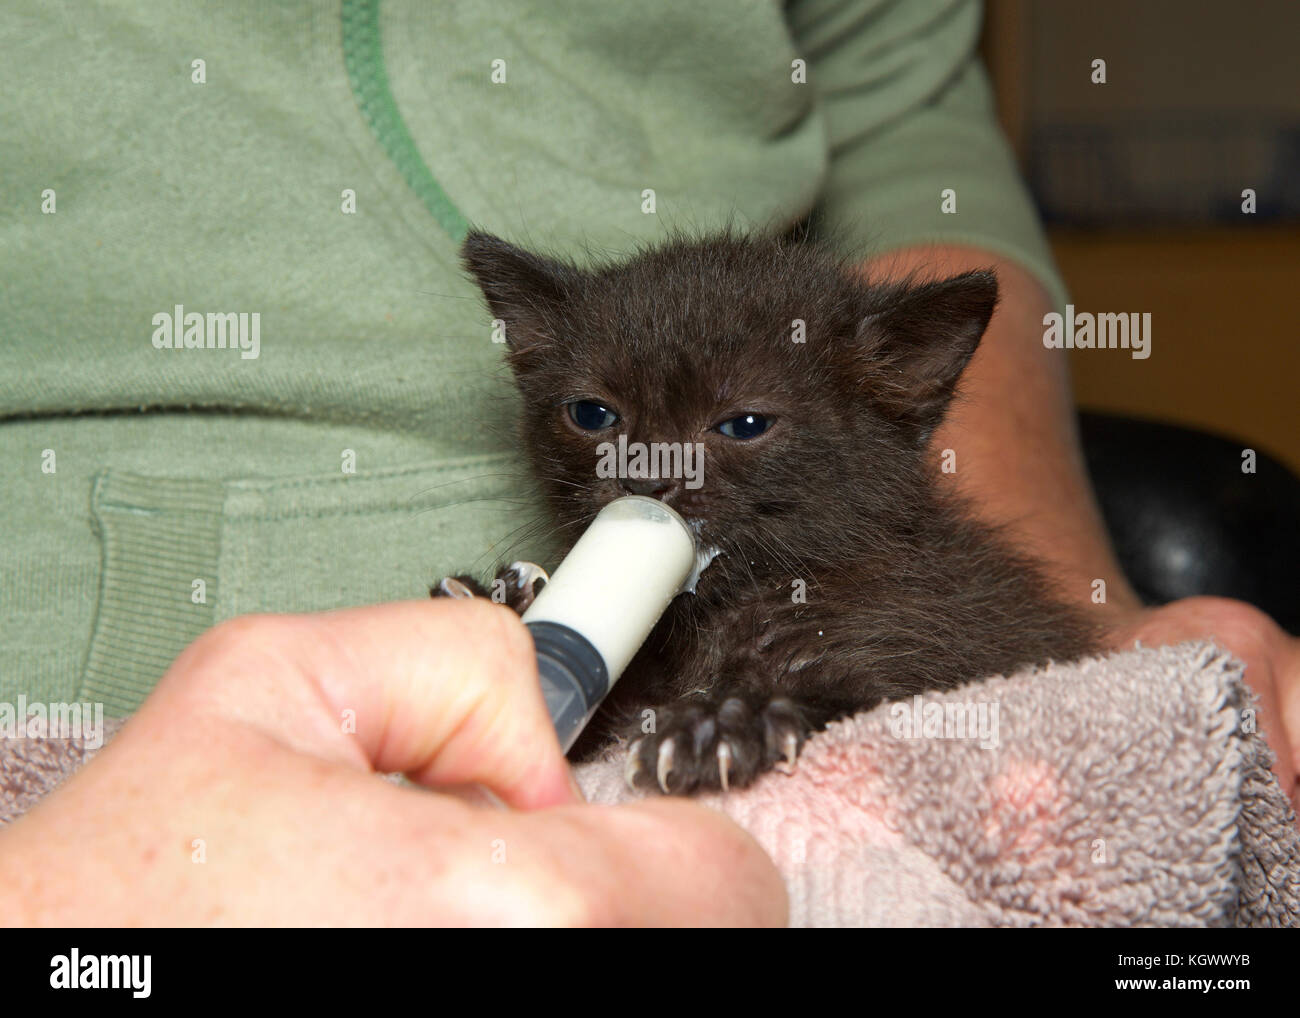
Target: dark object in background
[
  {"x": 1161, "y": 171},
  {"x": 1159, "y": 112},
  {"x": 1185, "y": 519}
]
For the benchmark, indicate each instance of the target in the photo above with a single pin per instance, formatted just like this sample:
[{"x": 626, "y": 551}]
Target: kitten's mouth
[{"x": 704, "y": 556}]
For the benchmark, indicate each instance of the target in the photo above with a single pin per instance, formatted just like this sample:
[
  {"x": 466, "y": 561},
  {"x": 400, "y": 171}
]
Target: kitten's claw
[
  {"x": 632, "y": 765},
  {"x": 724, "y": 763},
  {"x": 528, "y": 573},
  {"x": 721, "y": 744},
  {"x": 665, "y": 764},
  {"x": 790, "y": 746},
  {"x": 452, "y": 587},
  {"x": 520, "y": 582}
]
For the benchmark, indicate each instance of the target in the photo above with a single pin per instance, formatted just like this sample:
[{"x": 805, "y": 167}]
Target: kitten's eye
[
  {"x": 591, "y": 416},
  {"x": 745, "y": 426}
]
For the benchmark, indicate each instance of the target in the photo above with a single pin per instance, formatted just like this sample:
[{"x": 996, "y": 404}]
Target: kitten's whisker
[
  {"x": 447, "y": 296},
  {"x": 799, "y": 567},
  {"x": 534, "y": 527},
  {"x": 509, "y": 502},
  {"x": 531, "y": 528},
  {"x": 561, "y": 480},
  {"x": 467, "y": 480}
]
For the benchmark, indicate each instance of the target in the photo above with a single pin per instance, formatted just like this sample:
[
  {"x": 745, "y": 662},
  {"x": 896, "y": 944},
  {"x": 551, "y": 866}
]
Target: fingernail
[{"x": 476, "y": 795}]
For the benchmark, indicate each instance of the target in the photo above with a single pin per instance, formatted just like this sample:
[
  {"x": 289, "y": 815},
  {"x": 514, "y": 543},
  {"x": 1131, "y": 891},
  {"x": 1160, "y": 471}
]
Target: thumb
[{"x": 444, "y": 691}]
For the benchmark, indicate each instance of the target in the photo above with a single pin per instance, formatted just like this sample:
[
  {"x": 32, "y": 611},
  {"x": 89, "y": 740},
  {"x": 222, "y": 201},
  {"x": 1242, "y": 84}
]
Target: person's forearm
[{"x": 1013, "y": 431}]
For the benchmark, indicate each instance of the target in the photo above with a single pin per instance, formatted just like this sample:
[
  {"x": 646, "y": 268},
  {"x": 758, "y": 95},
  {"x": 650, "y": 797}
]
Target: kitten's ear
[
  {"x": 918, "y": 346},
  {"x": 520, "y": 287}
]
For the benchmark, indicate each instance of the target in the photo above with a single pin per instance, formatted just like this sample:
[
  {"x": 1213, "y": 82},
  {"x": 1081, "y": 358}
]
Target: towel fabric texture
[{"x": 1124, "y": 790}]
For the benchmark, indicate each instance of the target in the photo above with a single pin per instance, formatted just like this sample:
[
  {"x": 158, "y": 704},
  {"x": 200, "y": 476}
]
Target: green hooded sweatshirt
[{"x": 241, "y": 369}]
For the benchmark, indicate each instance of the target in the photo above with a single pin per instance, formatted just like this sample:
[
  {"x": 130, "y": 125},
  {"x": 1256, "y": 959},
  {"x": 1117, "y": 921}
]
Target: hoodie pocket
[{"x": 182, "y": 554}]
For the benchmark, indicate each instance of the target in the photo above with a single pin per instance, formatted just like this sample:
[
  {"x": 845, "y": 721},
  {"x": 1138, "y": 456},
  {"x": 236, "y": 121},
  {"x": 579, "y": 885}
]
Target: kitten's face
[{"x": 803, "y": 396}]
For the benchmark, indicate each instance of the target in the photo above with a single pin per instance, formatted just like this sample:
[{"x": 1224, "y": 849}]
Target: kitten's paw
[
  {"x": 523, "y": 581},
  {"x": 722, "y": 744},
  {"x": 459, "y": 587},
  {"x": 515, "y": 586}
]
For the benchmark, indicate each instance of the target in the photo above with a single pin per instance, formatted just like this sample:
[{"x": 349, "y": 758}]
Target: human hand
[
  {"x": 1271, "y": 657},
  {"x": 245, "y": 791}
]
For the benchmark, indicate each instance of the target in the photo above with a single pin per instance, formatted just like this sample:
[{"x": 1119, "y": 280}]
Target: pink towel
[{"x": 1124, "y": 790}]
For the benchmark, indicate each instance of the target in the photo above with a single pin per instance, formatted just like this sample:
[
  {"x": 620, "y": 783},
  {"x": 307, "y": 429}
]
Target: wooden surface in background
[{"x": 1225, "y": 328}]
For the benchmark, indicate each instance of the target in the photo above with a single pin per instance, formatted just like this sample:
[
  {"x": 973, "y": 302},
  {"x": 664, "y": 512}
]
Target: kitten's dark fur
[{"x": 905, "y": 591}]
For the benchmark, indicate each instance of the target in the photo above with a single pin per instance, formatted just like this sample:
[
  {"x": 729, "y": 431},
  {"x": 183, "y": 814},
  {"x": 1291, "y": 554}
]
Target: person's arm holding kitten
[
  {"x": 919, "y": 171},
  {"x": 1014, "y": 433}
]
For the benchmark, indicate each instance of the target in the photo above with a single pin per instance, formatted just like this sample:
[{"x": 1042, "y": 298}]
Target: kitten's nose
[{"x": 655, "y": 487}]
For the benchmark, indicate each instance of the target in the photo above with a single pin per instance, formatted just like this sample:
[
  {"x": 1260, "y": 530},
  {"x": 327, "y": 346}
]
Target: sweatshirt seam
[{"x": 363, "y": 57}]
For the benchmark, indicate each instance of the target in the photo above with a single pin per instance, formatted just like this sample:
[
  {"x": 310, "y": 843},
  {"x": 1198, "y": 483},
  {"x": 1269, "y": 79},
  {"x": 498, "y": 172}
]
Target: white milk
[{"x": 634, "y": 558}]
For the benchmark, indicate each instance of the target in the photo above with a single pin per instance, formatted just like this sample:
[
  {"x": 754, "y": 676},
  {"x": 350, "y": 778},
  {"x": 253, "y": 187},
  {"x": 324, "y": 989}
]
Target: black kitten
[{"x": 846, "y": 577}]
